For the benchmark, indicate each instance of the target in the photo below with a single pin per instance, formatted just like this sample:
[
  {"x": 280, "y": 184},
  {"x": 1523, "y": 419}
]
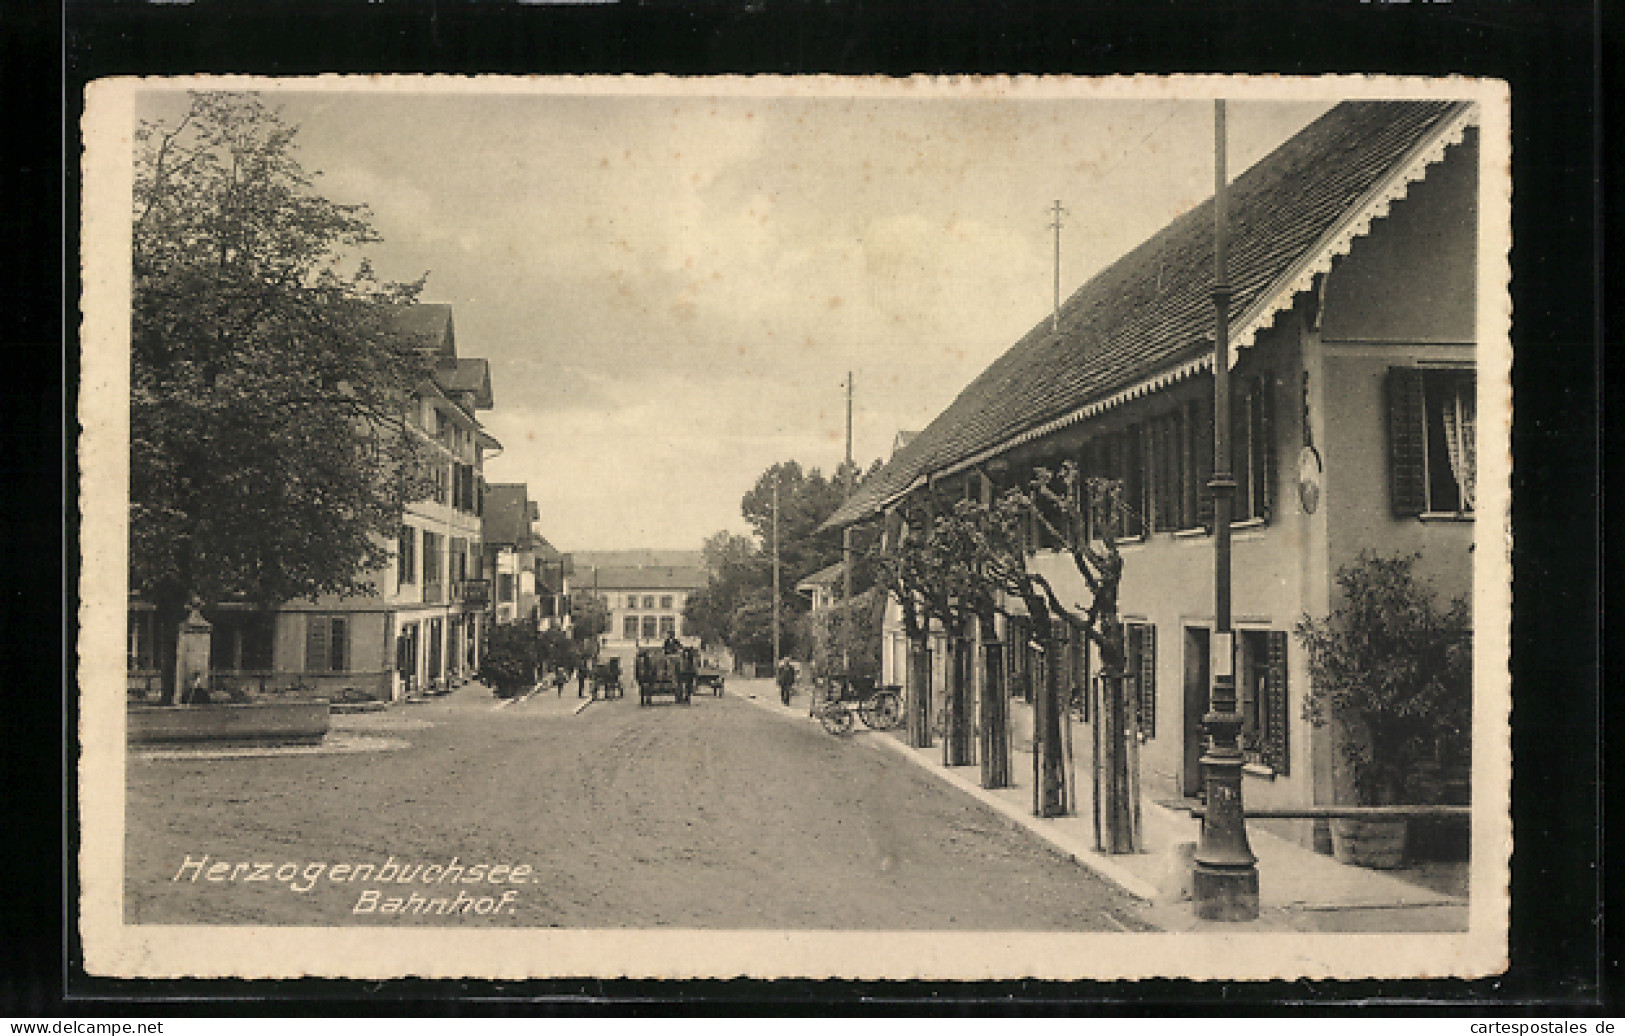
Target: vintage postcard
[{"x": 972, "y": 528}]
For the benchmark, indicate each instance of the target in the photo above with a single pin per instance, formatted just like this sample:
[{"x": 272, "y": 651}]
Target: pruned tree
[{"x": 270, "y": 457}]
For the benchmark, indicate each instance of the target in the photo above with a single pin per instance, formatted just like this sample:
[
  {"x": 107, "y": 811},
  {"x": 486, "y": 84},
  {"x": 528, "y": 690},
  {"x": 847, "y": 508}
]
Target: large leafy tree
[{"x": 269, "y": 458}]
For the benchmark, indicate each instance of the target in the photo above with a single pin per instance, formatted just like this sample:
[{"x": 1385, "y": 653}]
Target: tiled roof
[
  {"x": 662, "y": 577},
  {"x": 1151, "y": 311},
  {"x": 827, "y": 576},
  {"x": 430, "y": 323},
  {"x": 506, "y": 518},
  {"x": 641, "y": 569},
  {"x": 466, "y": 375}
]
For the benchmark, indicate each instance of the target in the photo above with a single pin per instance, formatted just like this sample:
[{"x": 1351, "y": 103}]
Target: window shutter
[
  {"x": 339, "y": 638},
  {"x": 1148, "y": 679},
  {"x": 1275, "y": 743},
  {"x": 1202, "y": 427},
  {"x": 316, "y": 643},
  {"x": 1407, "y": 464},
  {"x": 1264, "y": 450}
]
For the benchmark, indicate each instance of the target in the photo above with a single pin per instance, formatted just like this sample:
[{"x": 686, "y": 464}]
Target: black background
[{"x": 1548, "y": 51}]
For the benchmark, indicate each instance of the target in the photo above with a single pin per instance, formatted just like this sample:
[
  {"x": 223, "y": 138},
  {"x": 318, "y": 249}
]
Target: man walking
[{"x": 787, "y": 680}]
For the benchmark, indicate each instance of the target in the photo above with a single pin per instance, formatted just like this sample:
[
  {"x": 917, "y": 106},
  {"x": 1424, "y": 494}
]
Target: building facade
[
  {"x": 644, "y": 592},
  {"x": 1353, "y": 408}
]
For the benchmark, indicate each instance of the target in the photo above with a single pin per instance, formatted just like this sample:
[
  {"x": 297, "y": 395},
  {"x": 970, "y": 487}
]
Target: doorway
[
  {"x": 1196, "y": 695},
  {"x": 406, "y": 658}
]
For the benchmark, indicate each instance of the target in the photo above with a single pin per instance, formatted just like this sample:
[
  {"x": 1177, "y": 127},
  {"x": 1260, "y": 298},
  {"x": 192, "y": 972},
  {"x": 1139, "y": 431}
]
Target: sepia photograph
[{"x": 795, "y": 527}]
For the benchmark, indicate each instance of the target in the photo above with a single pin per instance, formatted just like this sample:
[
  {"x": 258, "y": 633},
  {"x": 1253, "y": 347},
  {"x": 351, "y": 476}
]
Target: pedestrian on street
[
  {"x": 787, "y": 680},
  {"x": 581, "y": 680},
  {"x": 559, "y": 680}
]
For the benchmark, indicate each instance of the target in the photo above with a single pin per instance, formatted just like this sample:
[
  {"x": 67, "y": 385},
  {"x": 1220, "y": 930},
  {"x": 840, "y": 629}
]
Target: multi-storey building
[
  {"x": 422, "y": 628},
  {"x": 644, "y": 592},
  {"x": 1354, "y": 383},
  {"x": 526, "y": 571}
]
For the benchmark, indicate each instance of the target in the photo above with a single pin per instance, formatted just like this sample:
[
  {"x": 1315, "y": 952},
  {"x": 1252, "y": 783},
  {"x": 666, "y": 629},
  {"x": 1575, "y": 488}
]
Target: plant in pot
[
  {"x": 1392, "y": 673},
  {"x": 509, "y": 662}
]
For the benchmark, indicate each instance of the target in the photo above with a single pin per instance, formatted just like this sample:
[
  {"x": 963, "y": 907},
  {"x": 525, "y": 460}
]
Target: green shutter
[
  {"x": 1275, "y": 743},
  {"x": 1407, "y": 461},
  {"x": 1147, "y": 663},
  {"x": 316, "y": 643}
]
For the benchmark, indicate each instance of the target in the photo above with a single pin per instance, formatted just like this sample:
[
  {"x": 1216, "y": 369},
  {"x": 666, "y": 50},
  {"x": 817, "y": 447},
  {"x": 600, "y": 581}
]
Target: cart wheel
[
  {"x": 836, "y": 720},
  {"x": 882, "y": 711}
]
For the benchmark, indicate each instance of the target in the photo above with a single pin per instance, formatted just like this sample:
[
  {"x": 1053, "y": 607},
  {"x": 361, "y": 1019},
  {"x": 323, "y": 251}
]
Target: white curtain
[{"x": 1460, "y": 423}]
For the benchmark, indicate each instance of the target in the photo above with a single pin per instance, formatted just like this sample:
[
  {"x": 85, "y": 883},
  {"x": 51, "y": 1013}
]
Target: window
[
  {"x": 668, "y": 626},
  {"x": 406, "y": 555},
  {"x": 1120, "y": 456},
  {"x": 651, "y": 628},
  {"x": 1261, "y": 697},
  {"x": 1252, "y": 448},
  {"x": 629, "y": 628},
  {"x": 505, "y": 586},
  {"x": 1172, "y": 503},
  {"x": 431, "y": 556},
  {"x": 631, "y": 601},
  {"x": 665, "y": 603},
  {"x": 326, "y": 643},
  {"x": 649, "y": 602},
  {"x": 1140, "y": 647},
  {"x": 459, "y": 559},
  {"x": 1432, "y": 440}
]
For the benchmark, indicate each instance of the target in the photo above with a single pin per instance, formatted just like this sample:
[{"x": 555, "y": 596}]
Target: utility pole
[
  {"x": 846, "y": 543},
  {"x": 1225, "y": 880},
  {"x": 776, "y": 474},
  {"x": 1055, "y": 225}
]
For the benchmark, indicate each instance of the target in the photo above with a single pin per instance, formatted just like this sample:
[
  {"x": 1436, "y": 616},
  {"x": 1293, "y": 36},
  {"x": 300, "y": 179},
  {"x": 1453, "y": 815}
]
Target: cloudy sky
[{"x": 671, "y": 289}]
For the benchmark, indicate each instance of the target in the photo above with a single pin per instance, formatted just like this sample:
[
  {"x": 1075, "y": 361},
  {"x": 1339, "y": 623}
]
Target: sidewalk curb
[
  {"x": 1135, "y": 886},
  {"x": 583, "y": 705}
]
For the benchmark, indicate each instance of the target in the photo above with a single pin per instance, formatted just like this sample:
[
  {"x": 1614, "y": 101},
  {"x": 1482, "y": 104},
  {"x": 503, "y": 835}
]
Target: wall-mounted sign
[{"x": 1309, "y": 479}]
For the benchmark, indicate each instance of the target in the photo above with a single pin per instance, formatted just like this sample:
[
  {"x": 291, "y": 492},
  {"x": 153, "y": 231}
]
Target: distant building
[
  {"x": 822, "y": 587},
  {"x": 644, "y": 591}
]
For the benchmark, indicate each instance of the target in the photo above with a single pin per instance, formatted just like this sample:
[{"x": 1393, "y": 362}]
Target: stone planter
[
  {"x": 1375, "y": 843},
  {"x": 295, "y": 722}
]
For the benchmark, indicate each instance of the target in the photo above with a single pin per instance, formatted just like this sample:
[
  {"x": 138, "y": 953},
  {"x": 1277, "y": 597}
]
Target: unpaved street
[{"x": 715, "y": 815}]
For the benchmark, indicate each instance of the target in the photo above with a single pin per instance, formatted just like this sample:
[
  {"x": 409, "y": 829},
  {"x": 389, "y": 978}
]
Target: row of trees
[
  {"x": 954, "y": 566},
  {"x": 735, "y": 607}
]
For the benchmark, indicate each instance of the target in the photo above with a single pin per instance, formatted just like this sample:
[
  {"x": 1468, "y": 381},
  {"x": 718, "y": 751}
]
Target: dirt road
[{"x": 713, "y": 815}]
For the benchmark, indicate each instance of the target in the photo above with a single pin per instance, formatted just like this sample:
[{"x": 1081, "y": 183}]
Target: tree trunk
[
  {"x": 1049, "y": 762},
  {"x": 959, "y": 735},
  {"x": 919, "y": 693},
  {"x": 995, "y": 704},
  {"x": 1117, "y": 792}
]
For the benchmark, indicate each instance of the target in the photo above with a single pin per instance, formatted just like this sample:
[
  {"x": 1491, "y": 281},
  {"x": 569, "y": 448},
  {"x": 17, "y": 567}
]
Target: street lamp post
[{"x": 1225, "y": 882}]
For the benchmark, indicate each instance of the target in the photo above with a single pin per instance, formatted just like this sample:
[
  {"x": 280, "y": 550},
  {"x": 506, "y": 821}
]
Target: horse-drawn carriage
[
  {"x": 710, "y": 676},
  {"x": 666, "y": 672},
  {"x": 606, "y": 679}
]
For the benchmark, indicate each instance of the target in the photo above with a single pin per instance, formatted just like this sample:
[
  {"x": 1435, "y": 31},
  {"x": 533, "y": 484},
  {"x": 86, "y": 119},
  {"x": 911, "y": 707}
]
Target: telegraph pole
[
  {"x": 846, "y": 545},
  {"x": 1225, "y": 881},
  {"x": 776, "y": 473},
  {"x": 1055, "y": 224}
]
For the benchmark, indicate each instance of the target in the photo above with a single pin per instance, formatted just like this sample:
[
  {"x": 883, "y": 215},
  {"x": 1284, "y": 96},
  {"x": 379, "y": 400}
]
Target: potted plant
[
  {"x": 510, "y": 659},
  {"x": 1393, "y": 673}
]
